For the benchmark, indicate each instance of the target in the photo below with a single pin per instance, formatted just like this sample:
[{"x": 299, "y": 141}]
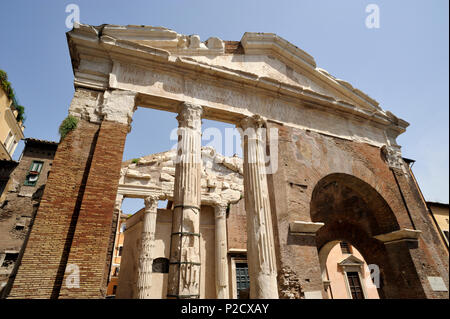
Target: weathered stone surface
[
  {"x": 289, "y": 286},
  {"x": 144, "y": 282},
  {"x": 184, "y": 269},
  {"x": 260, "y": 241},
  {"x": 155, "y": 174}
]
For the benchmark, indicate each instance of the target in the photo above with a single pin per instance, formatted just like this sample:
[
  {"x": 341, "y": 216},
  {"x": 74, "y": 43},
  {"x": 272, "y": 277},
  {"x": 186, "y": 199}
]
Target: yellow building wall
[
  {"x": 4, "y": 105},
  {"x": 440, "y": 213},
  {"x": 6, "y": 126}
]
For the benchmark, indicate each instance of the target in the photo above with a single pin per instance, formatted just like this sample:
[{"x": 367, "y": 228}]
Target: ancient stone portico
[
  {"x": 335, "y": 171},
  {"x": 154, "y": 178}
]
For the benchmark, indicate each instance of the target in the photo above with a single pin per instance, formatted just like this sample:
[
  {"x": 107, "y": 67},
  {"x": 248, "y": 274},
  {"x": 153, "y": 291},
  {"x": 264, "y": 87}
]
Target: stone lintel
[
  {"x": 304, "y": 228},
  {"x": 237, "y": 251},
  {"x": 402, "y": 234},
  {"x": 125, "y": 44}
]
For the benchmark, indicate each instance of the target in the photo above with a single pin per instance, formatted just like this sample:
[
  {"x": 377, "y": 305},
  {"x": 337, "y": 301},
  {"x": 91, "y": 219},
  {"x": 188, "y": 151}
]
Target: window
[
  {"x": 10, "y": 259},
  {"x": 21, "y": 222},
  {"x": 446, "y": 234},
  {"x": 33, "y": 173},
  {"x": 11, "y": 146},
  {"x": 123, "y": 227},
  {"x": 345, "y": 247},
  {"x": 8, "y": 139},
  {"x": 355, "y": 285},
  {"x": 116, "y": 271},
  {"x": 114, "y": 289},
  {"x": 10, "y": 142},
  {"x": 242, "y": 281},
  {"x": 161, "y": 265},
  {"x": 120, "y": 250}
]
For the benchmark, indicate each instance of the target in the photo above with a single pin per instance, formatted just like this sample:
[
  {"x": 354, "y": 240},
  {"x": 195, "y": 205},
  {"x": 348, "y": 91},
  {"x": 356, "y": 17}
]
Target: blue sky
[{"x": 404, "y": 64}]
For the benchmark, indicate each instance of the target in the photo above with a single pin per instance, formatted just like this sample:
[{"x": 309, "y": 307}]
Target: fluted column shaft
[
  {"x": 222, "y": 291},
  {"x": 144, "y": 282},
  {"x": 184, "y": 270},
  {"x": 260, "y": 241}
]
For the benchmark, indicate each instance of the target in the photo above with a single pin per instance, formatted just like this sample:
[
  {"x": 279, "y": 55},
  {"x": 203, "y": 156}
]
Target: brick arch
[
  {"x": 355, "y": 212},
  {"x": 350, "y": 198}
]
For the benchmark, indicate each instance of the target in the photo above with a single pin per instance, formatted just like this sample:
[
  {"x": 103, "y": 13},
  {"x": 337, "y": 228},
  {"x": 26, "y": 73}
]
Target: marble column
[
  {"x": 144, "y": 282},
  {"x": 260, "y": 241},
  {"x": 184, "y": 269},
  {"x": 222, "y": 291}
]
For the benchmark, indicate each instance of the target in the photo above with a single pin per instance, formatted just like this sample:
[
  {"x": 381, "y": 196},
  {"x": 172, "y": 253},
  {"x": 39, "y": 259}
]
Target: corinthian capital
[
  {"x": 190, "y": 115},
  {"x": 252, "y": 122},
  {"x": 151, "y": 203}
]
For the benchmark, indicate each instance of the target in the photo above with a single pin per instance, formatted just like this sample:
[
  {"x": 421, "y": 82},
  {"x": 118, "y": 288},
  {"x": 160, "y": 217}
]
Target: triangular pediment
[
  {"x": 265, "y": 55},
  {"x": 351, "y": 261}
]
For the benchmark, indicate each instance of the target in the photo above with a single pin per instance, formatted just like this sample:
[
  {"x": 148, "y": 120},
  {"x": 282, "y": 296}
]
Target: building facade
[
  {"x": 440, "y": 215},
  {"x": 117, "y": 256},
  {"x": 320, "y": 164},
  {"x": 20, "y": 203},
  {"x": 11, "y": 129}
]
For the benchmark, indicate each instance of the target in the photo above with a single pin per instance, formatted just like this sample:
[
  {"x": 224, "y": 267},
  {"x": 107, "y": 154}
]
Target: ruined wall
[{"x": 304, "y": 159}]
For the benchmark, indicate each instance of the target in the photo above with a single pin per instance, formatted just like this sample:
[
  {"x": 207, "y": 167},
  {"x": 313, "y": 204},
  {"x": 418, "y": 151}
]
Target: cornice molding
[
  {"x": 102, "y": 45},
  {"x": 399, "y": 235}
]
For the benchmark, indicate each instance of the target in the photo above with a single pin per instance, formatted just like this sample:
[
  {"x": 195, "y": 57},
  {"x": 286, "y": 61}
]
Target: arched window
[{"x": 161, "y": 265}]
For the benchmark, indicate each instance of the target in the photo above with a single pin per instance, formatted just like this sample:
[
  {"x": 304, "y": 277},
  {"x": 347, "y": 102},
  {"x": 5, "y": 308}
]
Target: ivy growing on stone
[{"x": 69, "y": 124}]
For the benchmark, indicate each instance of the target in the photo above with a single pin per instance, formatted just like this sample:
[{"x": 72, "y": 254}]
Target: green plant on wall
[
  {"x": 6, "y": 86},
  {"x": 69, "y": 124},
  {"x": 135, "y": 160}
]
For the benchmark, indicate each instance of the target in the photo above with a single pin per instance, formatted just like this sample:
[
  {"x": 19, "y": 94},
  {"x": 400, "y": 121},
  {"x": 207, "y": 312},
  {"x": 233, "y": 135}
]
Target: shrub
[{"x": 69, "y": 124}]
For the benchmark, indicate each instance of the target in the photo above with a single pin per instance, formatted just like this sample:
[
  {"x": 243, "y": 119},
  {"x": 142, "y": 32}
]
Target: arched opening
[
  {"x": 346, "y": 274},
  {"x": 354, "y": 212}
]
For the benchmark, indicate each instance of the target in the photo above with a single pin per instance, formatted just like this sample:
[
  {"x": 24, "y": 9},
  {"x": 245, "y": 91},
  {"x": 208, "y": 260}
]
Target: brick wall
[
  {"x": 95, "y": 224},
  {"x": 237, "y": 226},
  {"x": 305, "y": 158},
  {"x": 42, "y": 268}
]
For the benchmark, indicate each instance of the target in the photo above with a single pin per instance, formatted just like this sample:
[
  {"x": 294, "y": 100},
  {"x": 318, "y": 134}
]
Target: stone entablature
[
  {"x": 154, "y": 175},
  {"x": 273, "y": 78}
]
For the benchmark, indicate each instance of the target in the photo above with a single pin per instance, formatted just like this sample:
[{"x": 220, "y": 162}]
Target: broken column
[
  {"x": 260, "y": 241},
  {"x": 222, "y": 291},
  {"x": 184, "y": 269},
  {"x": 144, "y": 282}
]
